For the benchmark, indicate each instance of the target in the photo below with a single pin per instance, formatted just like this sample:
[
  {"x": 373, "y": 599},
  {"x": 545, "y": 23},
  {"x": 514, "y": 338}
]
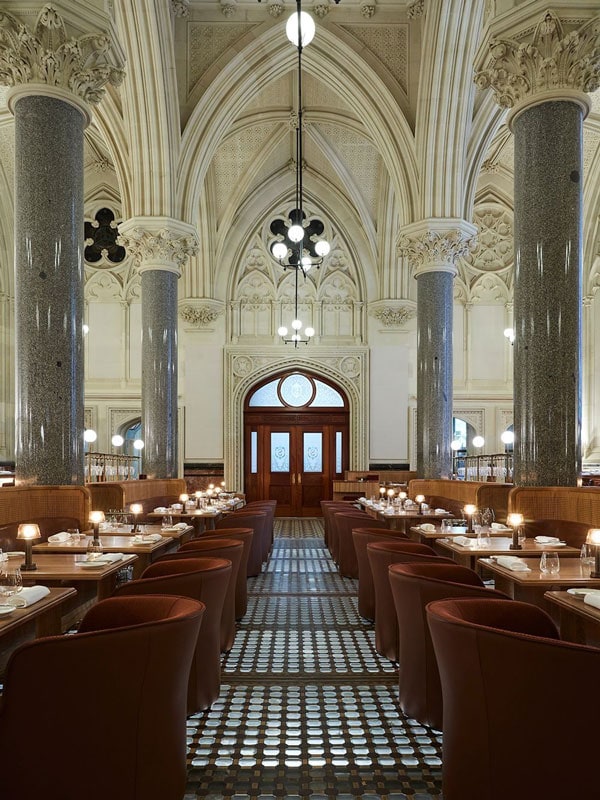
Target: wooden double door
[{"x": 294, "y": 457}]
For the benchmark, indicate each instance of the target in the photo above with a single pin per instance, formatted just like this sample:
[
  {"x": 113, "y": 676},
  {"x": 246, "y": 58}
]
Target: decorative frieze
[
  {"x": 393, "y": 313},
  {"x": 47, "y": 57},
  {"x": 434, "y": 245},
  {"x": 551, "y": 64},
  {"x": 158, "y": 242}
]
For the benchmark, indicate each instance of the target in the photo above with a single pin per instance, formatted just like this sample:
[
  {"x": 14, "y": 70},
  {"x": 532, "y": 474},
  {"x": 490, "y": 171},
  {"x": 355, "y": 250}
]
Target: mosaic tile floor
[{"x": 308, "y": 710}]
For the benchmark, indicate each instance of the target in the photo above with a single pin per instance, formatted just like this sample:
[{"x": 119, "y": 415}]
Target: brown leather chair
[
  {"x": 361, "y": 538},
  {"x": 243, "y": 535},
  {"x": 258, "y": 522},
  {"x": 573, "y": 533},
  {"x": 345, "y": 524},
  {"x": 231, "y": 550},
  {"x": 102, "y": 713},
  {"x": 361, "y": 518},
  {"x": 328, "y": 508},
  {"x": 269, "y": 507},
  {"x": 381, "y": 555},
  {"x": 413, "y": 586},
  {"x": 510, "y": 730},
  {"x": 203, "y": 579}
]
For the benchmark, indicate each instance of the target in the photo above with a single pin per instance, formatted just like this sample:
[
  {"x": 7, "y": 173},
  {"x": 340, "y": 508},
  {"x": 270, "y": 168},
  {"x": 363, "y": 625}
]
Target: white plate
[
  {"x": 6, "y": 610},
  {"x": 15, "y": 554},
  {"x": 582, "y": 592},
  {"x": 91, "y": 564},
  {"x": 553, "y": 544}
]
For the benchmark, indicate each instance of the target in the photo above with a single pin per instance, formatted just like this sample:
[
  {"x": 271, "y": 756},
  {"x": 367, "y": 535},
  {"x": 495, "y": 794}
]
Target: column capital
[
  {"x": 549, "y": 64},
  {"x": 158, "y": 243},
  {"x": 46, "y": 61},
  {"x": 433, "y": 245}
]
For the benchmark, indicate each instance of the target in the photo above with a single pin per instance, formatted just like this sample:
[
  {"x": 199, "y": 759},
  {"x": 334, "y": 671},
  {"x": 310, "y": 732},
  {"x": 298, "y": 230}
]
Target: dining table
[
  {"x": 402, "y": 520},
  {"x": 431, "y": 537},
  {"x": 577, "y": 621},
  {"x": 180, "y": 534},
  {"x": 199, "y": 519},
  {"x": 93, "y": 583},
  {"x": 146, "y": 551},
  {"x": 42, "y": 618},
  {"x": 531, "y": 586},
  {"x": 468, "y": 555}
]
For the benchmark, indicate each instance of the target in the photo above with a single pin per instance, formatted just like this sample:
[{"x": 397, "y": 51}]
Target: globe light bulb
[
  {"x": 117, "y": 440},
  {"x": 89, "y": 435},
  {"x": 507, "y": 437},
  {"x": 322, "y": 248},
  {"x": 138, "y": 444},
  {"x": 282, "y": 331},
  {"x": 296, "y": 324},
  {"x": 296, "y": 337},
  {"x": 307, "y": 28},
  {"x": 296, "y": 233},
  {"x": 309, "y": 332},
  {"x": 478, "y": 441},
  {"x": 279, "y": 251},
  {"x": 306, "y": 263},
  {"x": 455, "y": 444}
]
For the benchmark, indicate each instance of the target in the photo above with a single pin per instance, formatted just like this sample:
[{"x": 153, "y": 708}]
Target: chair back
[
  {"x": 243, "y": 535},
  {"x": 345, "y": 524},
  {"x": 108, "y": 714},
  {"x": 361, "y": 538},
  {"x": 258, "y": 521}
]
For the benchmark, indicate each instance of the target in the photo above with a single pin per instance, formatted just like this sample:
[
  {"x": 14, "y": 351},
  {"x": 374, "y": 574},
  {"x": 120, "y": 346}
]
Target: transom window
[{"x": 296, "y": 390}]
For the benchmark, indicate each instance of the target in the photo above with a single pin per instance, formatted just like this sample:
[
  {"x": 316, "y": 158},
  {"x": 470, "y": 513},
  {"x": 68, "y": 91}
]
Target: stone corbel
[
  {"x": 393, "y": 314},
  {"x": 200, "y": 313}
]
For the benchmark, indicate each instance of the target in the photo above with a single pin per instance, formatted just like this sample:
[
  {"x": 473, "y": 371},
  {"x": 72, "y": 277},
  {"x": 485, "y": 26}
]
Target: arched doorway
[{"x": 296, "y": 441}]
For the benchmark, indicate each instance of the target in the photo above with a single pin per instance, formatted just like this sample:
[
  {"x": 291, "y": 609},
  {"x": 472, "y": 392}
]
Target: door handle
[
  {"x": 293, "y": 477},
  {"x": 299, "y": 477}
]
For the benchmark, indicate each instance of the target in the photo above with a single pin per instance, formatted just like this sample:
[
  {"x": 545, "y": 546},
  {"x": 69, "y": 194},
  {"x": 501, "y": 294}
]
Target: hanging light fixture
[{"x": 298, "y": 242}]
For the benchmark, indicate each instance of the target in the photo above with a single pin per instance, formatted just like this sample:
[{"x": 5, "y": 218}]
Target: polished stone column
[
  {"x": 51, "y": 113},
  {"x": 160, "y": 246},
  {"x": 546, "y": 116},
  {"x": 432, "y": 247}
]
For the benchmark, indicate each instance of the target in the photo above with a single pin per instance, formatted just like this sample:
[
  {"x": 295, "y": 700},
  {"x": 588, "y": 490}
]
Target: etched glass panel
[
  {"x": 296, "y": 390},
  {"x": 327, "y": 396},
  {"x": 280, "y": 452},
  {"x": 253, "y": 452},
  {"x": 266, "y": 395},
  {"x": 313, "y": 452},
  {"x": 338, "y": 451}
]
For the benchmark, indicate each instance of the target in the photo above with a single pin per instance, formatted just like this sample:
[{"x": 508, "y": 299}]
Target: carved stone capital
[
  {"x": 181, "y": 8},
  {"x": 200, "y": 313},
  {"x": 549, "y": 65},
  {"x": 415, "y": 9},
  {"x": 393, "y": 313},
  {"x": 434, "y": 245},
  {"x": 158, "y": 242},
  {"x": 46, "y": 61}
]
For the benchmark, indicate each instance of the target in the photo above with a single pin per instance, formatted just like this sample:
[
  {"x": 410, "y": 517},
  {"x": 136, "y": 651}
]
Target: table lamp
[
  {"x": 198, "y": 495},
  {"x": 420, "y": 499},
  {"x": 183, "y": 498},
  {"x": 28, "y": 532},
  {"x": 209, "y": 494},
  {"x": 402, "y": 497},
  {"x": 469, "y": 510},
  {"x": 515, "y": 521},
  {"x": 381, "y": 493},
  {"x": 96, "y": 517},
  {"x": 136, "y": 509},
  {"x": 390, "y": 494},
  {"x": 593, "y": 538}
]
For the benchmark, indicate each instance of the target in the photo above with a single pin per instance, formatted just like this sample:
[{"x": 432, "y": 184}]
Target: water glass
[
  {"x": 484, "y": 540},
  {"x": 167, "y": 521},
  {"x": 11, "y": 582},
  {"x": 74, "y": 535},
  {"x": 549, "y": 563},
  {"x": 94, "y": 549},
  {"x": 586, "y": 560}
]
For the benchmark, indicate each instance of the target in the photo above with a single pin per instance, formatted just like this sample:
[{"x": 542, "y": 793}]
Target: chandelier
[{"x": 298, "y": 242}]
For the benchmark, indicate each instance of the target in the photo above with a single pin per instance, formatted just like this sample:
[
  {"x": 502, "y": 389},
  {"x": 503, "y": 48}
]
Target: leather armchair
[
  {"x": 361, "y": 538},
  {"x": 328, "y": 509},
  {"x": 243, "y": 535},
  {"x": 102, "y": 713},
  {"x": 413, "y": 586},
  {"x": 256, "y": 520},
  {"x": 512, "y": 728},
  {"x": 361, "y": 518},
  {"x": 269, "y": 507},
  {"x": 381, "y": 555},
  {"x": 203, "y": 579},
  {"x": 345, "y": 525}
]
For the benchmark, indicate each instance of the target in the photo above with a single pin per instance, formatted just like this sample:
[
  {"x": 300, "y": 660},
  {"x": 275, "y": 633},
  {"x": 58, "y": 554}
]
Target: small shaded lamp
[
  {"x": 136, "y": 509},
  {"x": 402, "y": 497},
  {"x": 209, "y": 494},
  {"x": 420, "y": 499},
  {"x": 198, "y": 495},
  {"x": 390, "y": 494},
  {"x": 469, "y": 510},
  {"x": 28, "y": 532},
  {"x": 515, "y": 521},
  {"x": 96, "y": 517},
  {"x": 593, "y": 538},
  {"x": 183, "y": 498}
]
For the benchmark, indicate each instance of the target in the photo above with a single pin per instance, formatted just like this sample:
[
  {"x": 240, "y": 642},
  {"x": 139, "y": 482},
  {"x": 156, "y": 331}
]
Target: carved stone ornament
[
  {"x": 80, "y": 66},
  {"x": 435, "y": 245},
  {"x": 321, "y": 8},
  {"x": 415, "y": 9},
  {"x": 228, "y": 8},
  {"x": 551, "y": 63},
  {"x": 392, "y": 314},
  {"x": 276, "y": 8},
  {"x": 181, "y": 8},
  {"x": 201, "y": 314},
  {"x": 158, "y": 243},
  {"x": 368, "y": 8}
]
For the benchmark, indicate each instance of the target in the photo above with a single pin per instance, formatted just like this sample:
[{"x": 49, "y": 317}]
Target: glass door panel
[
  {"x": 280, "y": 451},
  {"x": 313, "y": 452}
]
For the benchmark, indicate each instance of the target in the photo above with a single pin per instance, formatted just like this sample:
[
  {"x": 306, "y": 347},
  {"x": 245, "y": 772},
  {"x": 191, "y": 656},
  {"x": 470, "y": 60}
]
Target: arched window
[{"x": 296, "y": 390}]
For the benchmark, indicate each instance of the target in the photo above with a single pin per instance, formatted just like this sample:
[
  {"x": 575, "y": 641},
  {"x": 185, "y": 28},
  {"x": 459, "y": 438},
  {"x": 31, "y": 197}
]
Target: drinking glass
[
  {"x": 586, "y": 560},
  {"x": 487, "y": 516},
  {"x": 167, "y": 521},
  {"x": 11, "y": 582},
  {"x": 94, "y": 549},
  {"x": 74, "y": 534},
  {"x": 549, "y": 563},
  {"x": 484, "y": 541}
]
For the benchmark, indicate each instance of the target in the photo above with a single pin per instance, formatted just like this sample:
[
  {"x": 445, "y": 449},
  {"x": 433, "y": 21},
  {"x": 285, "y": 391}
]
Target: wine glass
[
  {"x": 549, "y": 563},
  {"x": 94, "y": 549},
  {"x": 11, "y": 583}
]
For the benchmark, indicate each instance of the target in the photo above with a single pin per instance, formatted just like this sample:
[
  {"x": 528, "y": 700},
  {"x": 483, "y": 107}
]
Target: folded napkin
[
  {"x": 177, "y": 506},
  {"x": 146, "y": 538},
  {"x": 58, "y": 538},
  {"x": 107, "y": 558},
  {"x": 160, "y": 510},
  {"x": 441, "y": 511},
  {"x": 592, "y": 599},
  {"x": 181, "y": 525},
  {"x": 513, "y": 563},
  {"x": 464, "y": 541},
  {"x": 27, "y": 596},
  {"x": 498, "y": 526},
  {"x": 547, "y": 539},
  {"x": 427, "y": 526}
]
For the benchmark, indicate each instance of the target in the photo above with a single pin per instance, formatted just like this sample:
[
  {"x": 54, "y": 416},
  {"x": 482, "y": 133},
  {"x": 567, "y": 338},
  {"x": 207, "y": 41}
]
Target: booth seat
[
  {"x": 151, "y": 493},
  {"x": 564, "y": 511},
  {"x": 455, "y": 495},
  {"x": 53, "y": 508}
]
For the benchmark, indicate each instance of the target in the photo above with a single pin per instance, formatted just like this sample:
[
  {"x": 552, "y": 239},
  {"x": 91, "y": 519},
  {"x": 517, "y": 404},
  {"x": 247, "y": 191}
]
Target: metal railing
[
  {"x": 495, "y": 468},
  {"x": 100, "y": 467}
]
